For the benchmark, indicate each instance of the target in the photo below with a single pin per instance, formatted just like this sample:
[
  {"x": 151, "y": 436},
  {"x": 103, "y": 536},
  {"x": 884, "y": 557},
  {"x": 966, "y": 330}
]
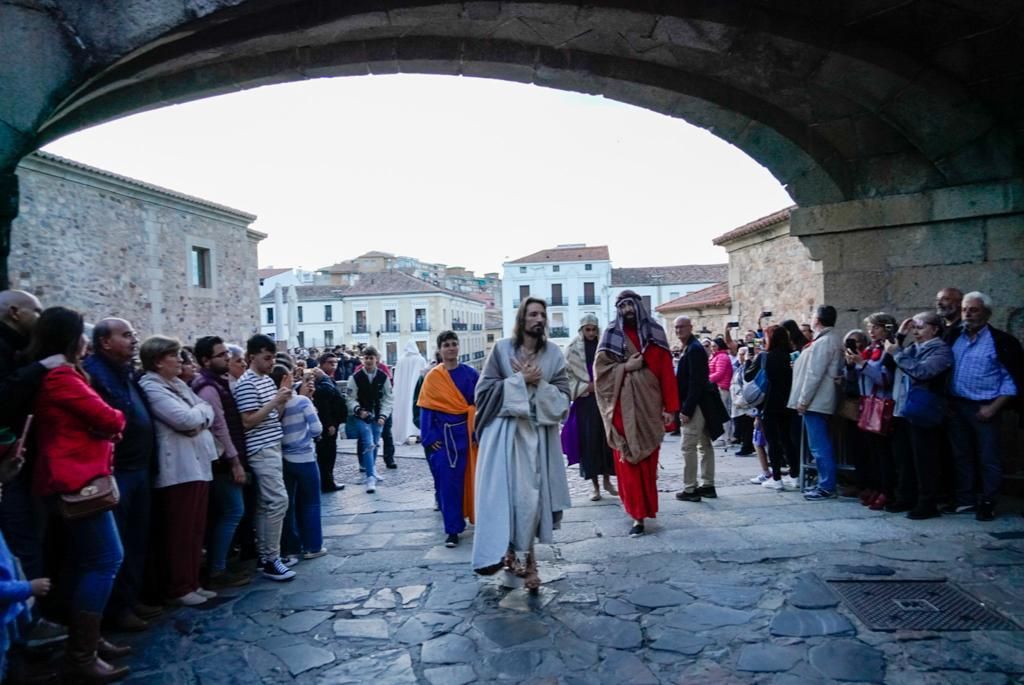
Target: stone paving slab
[{"x": 728, "y": 590}]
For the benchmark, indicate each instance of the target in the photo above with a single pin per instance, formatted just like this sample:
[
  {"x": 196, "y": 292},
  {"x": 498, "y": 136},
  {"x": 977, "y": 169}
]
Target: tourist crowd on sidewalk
[{"x": 146, "y": 474}]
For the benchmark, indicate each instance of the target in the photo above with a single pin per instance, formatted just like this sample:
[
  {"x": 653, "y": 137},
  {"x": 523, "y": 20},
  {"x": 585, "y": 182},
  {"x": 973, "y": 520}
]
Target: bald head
[
  {"x": 947, "y": 303},
  {"x": 19, "y": 310},
  {"x": 683, "y": 327},
  {"x": 115, "y": 339}
]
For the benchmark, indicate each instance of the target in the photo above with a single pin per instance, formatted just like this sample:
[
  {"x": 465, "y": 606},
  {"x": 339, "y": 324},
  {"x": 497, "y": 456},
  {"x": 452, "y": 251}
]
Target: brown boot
[
  {"x": 81, "y": 663},
  {"x": 108, "y": 650}
]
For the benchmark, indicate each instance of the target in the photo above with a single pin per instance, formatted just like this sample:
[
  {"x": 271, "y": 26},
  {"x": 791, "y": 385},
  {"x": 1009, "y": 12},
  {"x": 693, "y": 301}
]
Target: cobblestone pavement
[{"x": 729, "y": 590}]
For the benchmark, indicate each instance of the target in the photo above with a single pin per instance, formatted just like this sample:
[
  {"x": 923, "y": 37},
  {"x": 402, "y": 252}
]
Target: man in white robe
[
  {"x": 521, "y": 486},
  {"x": 407, "y": 373}
]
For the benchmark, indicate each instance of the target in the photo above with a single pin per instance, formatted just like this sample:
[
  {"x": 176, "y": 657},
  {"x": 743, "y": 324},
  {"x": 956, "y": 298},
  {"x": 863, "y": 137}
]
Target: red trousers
[
  {"x": 638, "y": 486},
  {"x": 183, "y": 514}
]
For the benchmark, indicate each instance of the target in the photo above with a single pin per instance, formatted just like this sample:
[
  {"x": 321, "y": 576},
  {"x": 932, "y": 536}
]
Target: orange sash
[{"x": 439, "y": 393}]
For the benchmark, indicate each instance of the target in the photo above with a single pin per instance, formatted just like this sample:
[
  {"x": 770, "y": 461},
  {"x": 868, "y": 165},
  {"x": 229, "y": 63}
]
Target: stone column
[
  {"x": 9, "y": 200},
  {"x": 895, "y": 253}
]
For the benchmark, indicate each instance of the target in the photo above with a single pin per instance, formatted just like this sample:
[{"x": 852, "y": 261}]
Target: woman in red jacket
[{"x": 75, "y": 438}]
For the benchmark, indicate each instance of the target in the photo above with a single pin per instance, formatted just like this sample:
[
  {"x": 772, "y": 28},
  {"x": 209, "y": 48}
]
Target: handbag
[
  {"x": 875, "y": 415},
  {"x": 923, "y": 408},
  {"x": 755, "y": 391},
  {"x": 100, "y": 494}
]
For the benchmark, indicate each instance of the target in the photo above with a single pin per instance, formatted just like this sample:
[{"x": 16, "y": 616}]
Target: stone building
[
  {"x": 708, "y": 309},
  {"x": 657, "y": 285},
  {"x": 770, "y": 270},
  {"x": 115, "y": 246}
]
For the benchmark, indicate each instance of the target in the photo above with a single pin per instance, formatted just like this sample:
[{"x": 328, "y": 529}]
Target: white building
[
  {"x": 657, "y": 285},
  {"x": 572, "y": 279},
  {"x": 270, "y": 277},
  {"x": 319, "y": 316}
]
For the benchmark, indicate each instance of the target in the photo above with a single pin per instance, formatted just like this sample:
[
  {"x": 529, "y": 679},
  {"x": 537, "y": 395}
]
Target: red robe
[{"x": 638, "y": 483}]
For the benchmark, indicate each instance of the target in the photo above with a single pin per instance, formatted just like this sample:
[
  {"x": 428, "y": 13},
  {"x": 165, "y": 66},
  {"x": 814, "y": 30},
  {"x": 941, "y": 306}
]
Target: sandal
[
  {"x": 531, "y": 580},
  {"x": 610, "y": 489},
  {"x": 511, "y": 563},
  {"x": 596, "y": 497}
]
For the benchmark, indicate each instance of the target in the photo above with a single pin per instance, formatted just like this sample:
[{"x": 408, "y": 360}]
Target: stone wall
[
  {"x": 771, "y": 270},
  {"x": 111, "y": 246}
]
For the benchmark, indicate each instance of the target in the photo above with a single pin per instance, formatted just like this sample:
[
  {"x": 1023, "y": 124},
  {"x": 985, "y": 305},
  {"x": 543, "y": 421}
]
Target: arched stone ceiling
[{"x": 840, "y": 99}]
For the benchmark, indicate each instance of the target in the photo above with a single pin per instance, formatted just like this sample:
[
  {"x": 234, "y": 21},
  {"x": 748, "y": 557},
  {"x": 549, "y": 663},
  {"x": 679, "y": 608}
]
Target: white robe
[
  {"x": 407, "y": 372},
  {"x": 521, "y": 486}
]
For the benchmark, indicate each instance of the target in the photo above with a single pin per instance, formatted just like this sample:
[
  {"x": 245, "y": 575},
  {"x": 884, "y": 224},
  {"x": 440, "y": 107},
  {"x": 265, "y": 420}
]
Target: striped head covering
[
  {"x": 589, "y": 320},
  {"x": 650, "y": 331}
]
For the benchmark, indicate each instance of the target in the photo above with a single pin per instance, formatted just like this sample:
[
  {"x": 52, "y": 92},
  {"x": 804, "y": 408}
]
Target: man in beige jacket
[{"x": 814, "y": 396}]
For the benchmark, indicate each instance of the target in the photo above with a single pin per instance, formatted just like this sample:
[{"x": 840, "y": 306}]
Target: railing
[
  {"x": 419, "y": 327},
  {"x": 479, "y": 355},
  {"x": 476, "y": 327},
  {"x": 594, "y": 299},
  {"x": 558, "y": 302},
  {"x": 359, "y": 330},
  {"x": 560, "y": 332},
  {"x": 389, "y": 328},
  {"x": 459, "y": 326},
  {"x": 463, "y": 357}
]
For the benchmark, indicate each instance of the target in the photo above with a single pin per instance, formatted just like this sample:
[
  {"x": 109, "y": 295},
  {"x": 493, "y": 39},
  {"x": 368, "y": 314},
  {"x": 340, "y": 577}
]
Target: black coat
[
  {"x": 329, "y": 402},
  {"x": 18, "y": 381},
  {"x": 696, "y": 391},
  {"x": 780, "y": 379}
]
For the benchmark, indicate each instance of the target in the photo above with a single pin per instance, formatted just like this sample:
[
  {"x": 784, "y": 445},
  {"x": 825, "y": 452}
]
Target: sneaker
[
  {"x": 818, "y": 495},
  {"x": 189, "y": 600},
  {"x": 707, "y": 491},
  {"x": 959, "y": 509},
  {"x": 315, "y": 555},
  {"x": 371, "y": 485},
  {"x": 688, "y": 496},
  {"x": 209, "y": 594},
  {"x": 745, "y": 453},
  {"x": 46, "y": 632},
  {"x": 391, "y": 464},
  {"x": 760, "y": 478},
  {"x": 451, "y": 541},
  {"x": 225, "y": 579},
  {"x": 791, "y": 483},
  {"x": 773, "y": 485},
  {"x": 290, "y": 560},
  {"x": 637, "y": 530},
  {"x": 276, "y": 570}
]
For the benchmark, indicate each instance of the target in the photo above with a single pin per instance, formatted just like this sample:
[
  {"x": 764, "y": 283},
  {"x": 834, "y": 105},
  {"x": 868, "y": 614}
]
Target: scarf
[
  {"x": 439, "y": 393},
  {"x": 648, "y": 330}
]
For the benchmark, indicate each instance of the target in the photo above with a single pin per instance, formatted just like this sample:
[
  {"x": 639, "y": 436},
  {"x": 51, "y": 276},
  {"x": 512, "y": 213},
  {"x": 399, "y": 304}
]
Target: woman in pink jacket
[{"x": 720, "y": 373}]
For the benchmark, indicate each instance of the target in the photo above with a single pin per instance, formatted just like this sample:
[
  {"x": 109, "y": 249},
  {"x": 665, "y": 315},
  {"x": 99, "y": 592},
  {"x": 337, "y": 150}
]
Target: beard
[{"x": 535, "y": 331}]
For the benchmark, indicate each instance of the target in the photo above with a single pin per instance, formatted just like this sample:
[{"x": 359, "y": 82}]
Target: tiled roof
[
  {"x": 309, "y": 292},
  {"x": 396, "y": 283},
  {"x": 565, "y": 254},
  {"x": 664, "y": 275},
  {"x": 345, "y": 267},
  {"x": 713, "y": 296},
  {"x": 375, "y": 253},
  {"x": 270, "y": 273},
  {"x": 57, "y": 159},
  {"x": 755, "y": 226}
]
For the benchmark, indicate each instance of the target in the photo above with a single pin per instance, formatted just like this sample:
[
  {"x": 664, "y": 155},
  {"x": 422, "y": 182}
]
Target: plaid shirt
[{"x": 977, "y": 373}]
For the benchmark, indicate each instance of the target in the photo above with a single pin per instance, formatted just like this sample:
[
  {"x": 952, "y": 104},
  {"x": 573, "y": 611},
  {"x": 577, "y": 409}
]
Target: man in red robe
[{"x": 636, "y": 393}]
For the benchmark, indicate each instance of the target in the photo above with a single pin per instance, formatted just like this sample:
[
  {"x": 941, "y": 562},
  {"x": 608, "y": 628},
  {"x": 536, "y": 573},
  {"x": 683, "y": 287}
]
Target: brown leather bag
[{"x": 100, "y": 494}]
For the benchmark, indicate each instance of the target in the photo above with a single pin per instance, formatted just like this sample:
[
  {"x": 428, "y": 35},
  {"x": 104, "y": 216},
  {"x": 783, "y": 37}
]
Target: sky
[{"x": 454, "y": 170}]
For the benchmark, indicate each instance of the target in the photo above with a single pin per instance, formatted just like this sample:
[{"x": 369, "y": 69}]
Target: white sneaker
[
  {"x": 791, "y": 483},
  {"x": 289, "y": 560},
  {"x": 371, "y": 485},
  {"x": 209, "y": 594},
  {"x": 773, "y": 485},
  {"x": 190, "y": 600},
  {"x": 760, "y": 478},
  {"x": 315, "y": 555}
]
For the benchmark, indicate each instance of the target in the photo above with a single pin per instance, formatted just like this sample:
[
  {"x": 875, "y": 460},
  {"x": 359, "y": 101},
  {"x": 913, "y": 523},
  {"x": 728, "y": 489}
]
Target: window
[
  {"x": 421, "y": 345},
  {"x": 360, "y": 322},
  {"x": 329, "y": 338},
  {"x": 200, "y": 267},
  {"x": 270, "y": 315},
  {"x": 299, "y": 317},
  {"x": 390, "y": 321},
  {"x": 522, "y": 269},
  {"x": 524, "y": 292},
  {"x": 490, "y": 337},
  {"x": 588, "y": 267},
  {"x": 555, "y": 268},
  {"x": 392, "y": 353},
  {"x": 420, "y": 316},
  {"x": 673, "y": 294},
  {"x": 647, "y": 303},
  {"x": 328, "y": 312},
  {"x": 302, "y": 339},
  {"x": 588, "y": 294}
]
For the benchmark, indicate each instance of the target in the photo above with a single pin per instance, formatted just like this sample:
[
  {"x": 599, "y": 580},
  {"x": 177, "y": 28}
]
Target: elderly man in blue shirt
[{"x": 988, "y": 375}]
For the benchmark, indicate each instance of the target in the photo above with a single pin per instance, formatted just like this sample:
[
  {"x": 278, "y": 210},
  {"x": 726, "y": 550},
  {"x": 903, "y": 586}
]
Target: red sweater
[{"x": 75, "y": 431}]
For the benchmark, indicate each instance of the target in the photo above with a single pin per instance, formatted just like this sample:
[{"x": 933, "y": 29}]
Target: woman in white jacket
[{"x": 185, "y": 450}]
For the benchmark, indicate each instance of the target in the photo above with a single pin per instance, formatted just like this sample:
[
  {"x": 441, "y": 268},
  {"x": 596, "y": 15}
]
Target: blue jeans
[
  {"x": 820, "y": 444},
  {"x": 95, "y": 555},
  {"x": 976, "y": 453},
  {"x": 132, "y": 518},
  {"x": 302, "y": 531},
  {"x": 227, "y": 504},
  {"x": 369, "y": 434}
]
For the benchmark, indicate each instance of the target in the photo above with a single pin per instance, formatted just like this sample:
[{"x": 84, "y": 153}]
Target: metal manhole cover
[{"x": 917, "y": 605}]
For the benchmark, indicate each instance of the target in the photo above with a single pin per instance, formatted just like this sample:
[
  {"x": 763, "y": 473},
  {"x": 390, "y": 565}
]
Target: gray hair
[
  {"x": 236, "y": 351},
  {"x": 985, "y": 300},
  {"x": 930, "y": 318},
  {"x": 881, "y": 319}
]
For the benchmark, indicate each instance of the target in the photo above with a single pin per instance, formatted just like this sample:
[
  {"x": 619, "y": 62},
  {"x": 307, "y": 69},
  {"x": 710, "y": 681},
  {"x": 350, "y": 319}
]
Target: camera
[
  {"x": 766, "y": 315},
  {"x": 733, "y": 324},
  {"x": 851, "y": 345}
]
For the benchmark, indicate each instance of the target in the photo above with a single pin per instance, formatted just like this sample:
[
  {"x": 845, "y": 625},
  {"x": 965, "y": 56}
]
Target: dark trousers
[
  {"x": 904, "y": 464},
  {"x": 975, "y": 453},
  {"x": 795, "y": 426},
  {"x": 23, "y": 522},
  {"x": 326, "y": 457},
  {"x": 389, "y": 442},
  {"x": 184, "y": 510},
  {"x": 879, "y": 469},
  {"x": 132, "y": 517},
  {"x": 780, "y": 448},
  {"x": 743, "y": 430},
  {"x": 925, "y": 443}
]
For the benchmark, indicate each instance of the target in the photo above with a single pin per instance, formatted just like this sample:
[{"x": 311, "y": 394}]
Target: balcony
[
  {"x": 463, "y": 357},
  {"x": 558, "y": 302},
  {"x": 479, "y": 355},
  {"x": 560, "y": 332},
  {"x": 359, "y": 329},
  {"x": 419, "y": 327},
  {"x": 591, "y": 299},
  {"x": 476, "y": 327},
  {"x": 389, "y": 328},
  {"x": 459, "y": 326}
]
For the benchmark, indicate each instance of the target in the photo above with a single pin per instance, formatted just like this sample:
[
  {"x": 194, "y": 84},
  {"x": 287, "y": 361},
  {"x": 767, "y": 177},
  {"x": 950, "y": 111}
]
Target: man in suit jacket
[{"x": 694, "y": 414}]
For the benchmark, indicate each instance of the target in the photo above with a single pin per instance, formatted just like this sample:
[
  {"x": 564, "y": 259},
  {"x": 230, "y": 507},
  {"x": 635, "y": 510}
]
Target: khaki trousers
[{"x": 696, "y": 442}]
